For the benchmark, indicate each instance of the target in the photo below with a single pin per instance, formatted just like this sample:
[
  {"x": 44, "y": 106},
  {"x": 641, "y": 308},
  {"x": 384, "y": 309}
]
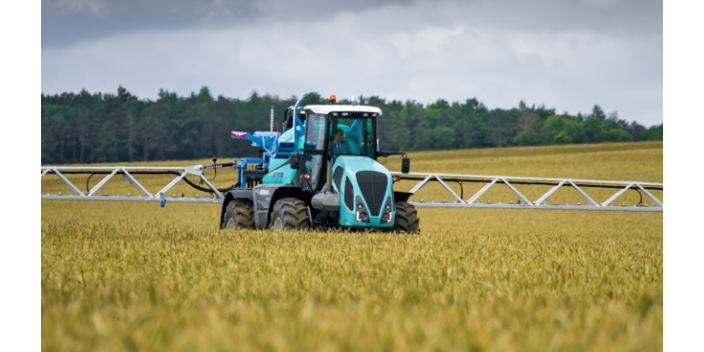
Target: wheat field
[{"x": 137, "y": 277}]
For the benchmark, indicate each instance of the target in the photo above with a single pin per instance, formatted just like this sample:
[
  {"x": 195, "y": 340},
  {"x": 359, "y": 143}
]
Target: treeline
[{"x": 91, "y": 128}]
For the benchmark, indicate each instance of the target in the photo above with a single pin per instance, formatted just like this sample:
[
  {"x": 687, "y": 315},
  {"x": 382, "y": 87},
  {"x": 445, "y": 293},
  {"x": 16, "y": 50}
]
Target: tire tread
[
  {"x": 292, "y": 212},
  {"x": 242, "y": 211},
  {"x": 406, "y": 218}
]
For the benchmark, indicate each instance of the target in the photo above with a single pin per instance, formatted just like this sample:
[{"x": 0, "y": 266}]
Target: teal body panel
[
  {"x": 300, "y": 140},
  {"x": 350, "y": 166},
  {"x": 275, "y": 163},
  {"x": 279, "y": 174},
  {"x": 288, "y": 136}
]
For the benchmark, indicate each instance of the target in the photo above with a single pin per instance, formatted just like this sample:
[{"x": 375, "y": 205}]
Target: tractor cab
[
  {"x": 340, "y": 151},
  {"x": 334, "y": 132}
]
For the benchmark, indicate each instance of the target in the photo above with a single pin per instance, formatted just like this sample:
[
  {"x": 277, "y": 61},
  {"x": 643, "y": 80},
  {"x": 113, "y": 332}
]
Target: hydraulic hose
[
  {"x": 208, "y": 190},
  {"x": 202, "y": 189}
]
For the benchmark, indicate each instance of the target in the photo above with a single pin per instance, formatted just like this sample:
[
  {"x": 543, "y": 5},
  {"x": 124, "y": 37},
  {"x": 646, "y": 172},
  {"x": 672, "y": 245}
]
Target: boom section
[
  {"x": 129, "y": 174},
  {"x": 516, "y": 184}
]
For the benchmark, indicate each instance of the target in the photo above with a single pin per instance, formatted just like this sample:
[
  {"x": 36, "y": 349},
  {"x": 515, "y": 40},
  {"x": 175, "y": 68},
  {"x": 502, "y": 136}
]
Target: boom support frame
[
  {"x": 128, "y": 174},
  {"x": 541, "y": 203}
]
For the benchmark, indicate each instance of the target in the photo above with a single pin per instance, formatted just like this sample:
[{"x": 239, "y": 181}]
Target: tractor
[{"x": 319, "y": 172}]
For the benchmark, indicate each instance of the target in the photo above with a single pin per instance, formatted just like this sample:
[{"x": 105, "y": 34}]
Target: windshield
[{"x": 352, "y": 134}]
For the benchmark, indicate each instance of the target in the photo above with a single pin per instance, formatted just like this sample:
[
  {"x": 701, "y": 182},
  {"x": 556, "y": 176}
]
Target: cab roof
[{"x": 326, "y": 109}]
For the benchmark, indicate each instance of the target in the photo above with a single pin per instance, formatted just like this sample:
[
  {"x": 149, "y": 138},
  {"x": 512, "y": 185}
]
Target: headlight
[{"x": 361, "y": 215}]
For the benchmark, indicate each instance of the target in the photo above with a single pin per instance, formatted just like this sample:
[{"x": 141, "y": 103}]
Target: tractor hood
[{"x": 366, "y": 192}]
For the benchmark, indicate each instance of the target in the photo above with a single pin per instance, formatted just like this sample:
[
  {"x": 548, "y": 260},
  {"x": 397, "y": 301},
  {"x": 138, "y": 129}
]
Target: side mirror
[
  {"x": 405, "y": 165},
  {"x": 295, "y": 160}
]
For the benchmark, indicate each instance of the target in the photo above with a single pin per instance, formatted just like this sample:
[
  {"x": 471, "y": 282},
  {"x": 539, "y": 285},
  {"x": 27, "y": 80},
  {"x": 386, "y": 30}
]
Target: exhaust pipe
[{"x": 327, "y": 201}]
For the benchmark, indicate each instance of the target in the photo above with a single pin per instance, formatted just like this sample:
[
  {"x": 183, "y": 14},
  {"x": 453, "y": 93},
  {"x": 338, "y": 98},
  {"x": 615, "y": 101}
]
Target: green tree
[
  {"x": 529, "y": 127},
  {"x": 561, "y": 130},
  {"x": 109, "y": 127},
  {"x": 501, "y": 127}
]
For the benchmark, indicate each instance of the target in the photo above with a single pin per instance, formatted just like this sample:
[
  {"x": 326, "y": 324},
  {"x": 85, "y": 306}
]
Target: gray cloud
[
  {"x": 65, "y": 22},
  {"x": 68, "y": 21},
  {"x": 567, "y": 55}
]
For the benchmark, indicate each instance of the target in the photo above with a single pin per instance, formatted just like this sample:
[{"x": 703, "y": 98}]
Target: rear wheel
[
  {"x": 289, "y": 214},
  {"x": 406, "y": 218},
  {"x": 239, "y": 215}
]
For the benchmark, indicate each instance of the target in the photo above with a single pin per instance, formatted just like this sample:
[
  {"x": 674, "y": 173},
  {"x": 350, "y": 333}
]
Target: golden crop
[{"x": 133, "y": 276}]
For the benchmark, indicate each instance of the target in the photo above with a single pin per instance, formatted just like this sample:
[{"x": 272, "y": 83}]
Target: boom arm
[
  {"x": 540, "y": 203},
  {"x": 128, "y": 173},
  {"x": 422, "y": 179}
]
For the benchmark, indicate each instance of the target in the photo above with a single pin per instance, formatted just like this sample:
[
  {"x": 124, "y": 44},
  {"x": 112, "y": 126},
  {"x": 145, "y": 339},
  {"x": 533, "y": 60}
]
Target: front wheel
[
  {"x": 239, "y": 215},
  {"x": 289, "y": 214},
  {"x": 406, "y": 218}
]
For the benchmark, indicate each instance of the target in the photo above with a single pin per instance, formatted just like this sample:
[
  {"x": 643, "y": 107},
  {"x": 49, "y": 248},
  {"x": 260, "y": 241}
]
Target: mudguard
[
  {"x": 401, "y": 196},
  {"x": 239, "y": 194}
]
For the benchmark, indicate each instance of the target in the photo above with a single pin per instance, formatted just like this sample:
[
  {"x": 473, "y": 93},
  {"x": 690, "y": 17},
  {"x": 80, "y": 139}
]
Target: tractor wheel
[
  {"x": 406, "y": 218},
  {"x": 239, "y": 215},
  {"x": 289, "y": 214}
]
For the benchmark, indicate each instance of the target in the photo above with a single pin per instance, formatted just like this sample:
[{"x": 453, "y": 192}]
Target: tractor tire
[
  {"x": 239, "y": 215},
  {"x": 406, "y": 218},
  {"x": 289, "y": 214}
]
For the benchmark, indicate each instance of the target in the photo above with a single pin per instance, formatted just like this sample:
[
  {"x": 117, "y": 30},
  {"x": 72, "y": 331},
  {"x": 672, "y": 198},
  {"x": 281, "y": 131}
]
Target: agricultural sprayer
[{"x": 321, "y": 171}]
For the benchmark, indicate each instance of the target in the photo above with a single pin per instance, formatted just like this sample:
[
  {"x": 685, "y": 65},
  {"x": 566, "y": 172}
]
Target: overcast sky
[{"x": 567, "y": 55}]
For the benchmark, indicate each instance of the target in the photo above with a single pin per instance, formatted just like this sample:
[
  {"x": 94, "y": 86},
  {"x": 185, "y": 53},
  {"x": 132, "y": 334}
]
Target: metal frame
[
  {"x": 541, "y": 202},
  {"x": 146, "y": 196},
  {"x": 422, "y": 178}
]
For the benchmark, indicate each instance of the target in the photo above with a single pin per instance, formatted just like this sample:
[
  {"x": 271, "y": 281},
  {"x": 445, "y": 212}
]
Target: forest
[{"x": 95, "y": 128}]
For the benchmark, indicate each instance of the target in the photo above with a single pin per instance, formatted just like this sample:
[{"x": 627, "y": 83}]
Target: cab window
[{"x": 352, "y": 134}]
